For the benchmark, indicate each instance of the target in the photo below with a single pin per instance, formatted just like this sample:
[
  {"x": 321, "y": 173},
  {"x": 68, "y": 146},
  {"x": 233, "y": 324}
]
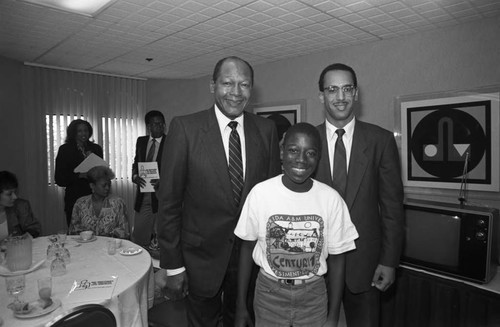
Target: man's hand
[
  {"x": 174, "y": 287},
  {"x": 155, "y": 183},
  {"x": 242, "y": 318},
  {"x": 136, "y": 179},
  {"x": 384, "y": 277}
]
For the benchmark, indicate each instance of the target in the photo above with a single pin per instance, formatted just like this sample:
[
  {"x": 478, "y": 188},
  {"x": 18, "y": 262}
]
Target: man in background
[
  {"x": 214, "y": 158},
  {"x": 361, "y": 162},
  {"x": 148, "y": 149}
]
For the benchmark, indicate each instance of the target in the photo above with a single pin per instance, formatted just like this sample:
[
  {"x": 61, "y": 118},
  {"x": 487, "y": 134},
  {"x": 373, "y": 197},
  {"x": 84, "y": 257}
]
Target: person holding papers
[
  {"x": 147, "y": 161},
  {"x": 76, "y": 148},
  {"x": 101, "y": 212}
]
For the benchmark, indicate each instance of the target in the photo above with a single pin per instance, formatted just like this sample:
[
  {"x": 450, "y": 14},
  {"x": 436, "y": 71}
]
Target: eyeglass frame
[
  {"x": 348, "y": 89},
  {"x": 156, "y": 123}
]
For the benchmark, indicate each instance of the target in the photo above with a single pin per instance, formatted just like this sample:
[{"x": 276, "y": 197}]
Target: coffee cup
[{"x": 86, "y": 235}]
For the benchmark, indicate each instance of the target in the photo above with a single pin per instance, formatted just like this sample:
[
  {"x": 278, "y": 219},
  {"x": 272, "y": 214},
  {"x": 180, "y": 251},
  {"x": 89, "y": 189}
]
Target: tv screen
[{"x": 432, "y": 237}]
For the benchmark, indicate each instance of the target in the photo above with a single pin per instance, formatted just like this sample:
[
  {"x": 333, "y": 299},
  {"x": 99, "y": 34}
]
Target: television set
[{"x": 456, "y": 240}]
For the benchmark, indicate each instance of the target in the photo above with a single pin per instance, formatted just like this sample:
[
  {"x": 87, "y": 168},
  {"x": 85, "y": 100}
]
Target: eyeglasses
[
  {"x": 346, "y": 89},
  {"x": 157, "y": 123}
]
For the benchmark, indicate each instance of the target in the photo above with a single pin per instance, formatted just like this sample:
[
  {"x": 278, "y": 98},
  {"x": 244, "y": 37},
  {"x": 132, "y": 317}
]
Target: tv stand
[{"x": 420, "y": 299}]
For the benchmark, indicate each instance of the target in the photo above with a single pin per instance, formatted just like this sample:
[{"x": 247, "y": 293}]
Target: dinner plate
[
  {"x": 37, "y": 310},
  {"x": 130, "y": 251},
  {"x": 81, "y": 240},
  {"x": 4, "y": 271}
]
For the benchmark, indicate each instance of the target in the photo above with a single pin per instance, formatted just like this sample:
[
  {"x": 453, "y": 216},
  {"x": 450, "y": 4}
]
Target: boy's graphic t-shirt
[
  {"x": 294, "y": 245},
  {"x": 295, "y": 232}
]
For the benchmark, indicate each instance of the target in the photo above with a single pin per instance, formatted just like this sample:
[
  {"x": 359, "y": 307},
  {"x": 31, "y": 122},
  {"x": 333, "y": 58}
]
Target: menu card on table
[{"x": 86, "y": 290}]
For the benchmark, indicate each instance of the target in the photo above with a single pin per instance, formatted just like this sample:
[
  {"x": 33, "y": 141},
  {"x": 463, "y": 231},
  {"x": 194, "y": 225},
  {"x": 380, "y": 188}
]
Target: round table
[{"x": 131, "y": 297}]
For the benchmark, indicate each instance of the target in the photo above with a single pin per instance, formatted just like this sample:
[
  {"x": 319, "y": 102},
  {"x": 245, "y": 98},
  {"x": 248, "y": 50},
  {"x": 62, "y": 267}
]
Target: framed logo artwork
[{"x": 447, "y": 139}]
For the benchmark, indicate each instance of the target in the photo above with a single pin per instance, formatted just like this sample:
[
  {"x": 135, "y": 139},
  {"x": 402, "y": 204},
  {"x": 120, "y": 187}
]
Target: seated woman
[
  {"x": 16, "y": 217},
  {"x": 101, "y": 212}
]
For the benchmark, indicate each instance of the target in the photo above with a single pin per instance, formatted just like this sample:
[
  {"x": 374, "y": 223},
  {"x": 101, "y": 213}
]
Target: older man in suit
[
  {"x": 148, "y": 148},
  {"x": 214, "y": 158},
  {"x": 361, "y": 162}
]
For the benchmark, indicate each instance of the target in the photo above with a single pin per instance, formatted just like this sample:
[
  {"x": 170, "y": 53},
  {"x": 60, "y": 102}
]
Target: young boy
[{"x": 292, "y": 224}]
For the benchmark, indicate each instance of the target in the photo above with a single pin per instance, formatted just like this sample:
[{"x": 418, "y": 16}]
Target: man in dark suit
[
  {"x": 372, "y": 190},
  {"x": 148, "y": 148},
  {"x": 199, "y": 207}
]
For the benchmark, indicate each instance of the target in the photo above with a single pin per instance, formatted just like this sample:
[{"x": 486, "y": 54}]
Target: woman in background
[
  {"x": 16, "y": 217},
  {"x": 101, "y": 212},
  {"x": 76, "y": 148}
]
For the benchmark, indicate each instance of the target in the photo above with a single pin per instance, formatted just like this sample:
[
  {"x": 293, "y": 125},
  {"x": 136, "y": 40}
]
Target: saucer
[
  {"x": 131, "y": 251},
  {"x": 37, "y": 310},
  {"x": 79, "y": 239}
]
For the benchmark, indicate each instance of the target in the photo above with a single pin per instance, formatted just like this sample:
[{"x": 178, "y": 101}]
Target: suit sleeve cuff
[{"x": 173, "y": 272}]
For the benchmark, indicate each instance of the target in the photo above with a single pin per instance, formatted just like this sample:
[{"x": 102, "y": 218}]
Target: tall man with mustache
[{"x": 371, "y": 187}]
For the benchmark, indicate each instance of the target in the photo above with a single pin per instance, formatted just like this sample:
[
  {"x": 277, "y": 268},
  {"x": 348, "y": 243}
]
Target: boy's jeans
[{"x": 277, "y": 304}]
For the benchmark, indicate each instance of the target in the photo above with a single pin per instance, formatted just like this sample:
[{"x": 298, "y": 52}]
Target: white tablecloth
[{"x": 132, "y": 296}]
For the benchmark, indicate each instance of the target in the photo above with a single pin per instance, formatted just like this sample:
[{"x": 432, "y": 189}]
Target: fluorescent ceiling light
[{"x": 82, "y": 7}]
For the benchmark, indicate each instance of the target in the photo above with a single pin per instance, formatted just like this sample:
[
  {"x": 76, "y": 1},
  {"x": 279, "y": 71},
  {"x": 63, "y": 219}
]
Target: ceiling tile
[{"x": 186, "y": 37}]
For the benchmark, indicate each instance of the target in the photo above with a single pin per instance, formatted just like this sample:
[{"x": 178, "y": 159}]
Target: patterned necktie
[
  {"x": 235, "y": 162},
  {"x": 151, "y": 152},
  {"x": 340, "y": 164}
]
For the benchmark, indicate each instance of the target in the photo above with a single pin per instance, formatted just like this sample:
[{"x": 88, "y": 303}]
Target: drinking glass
[
  {"x": 61, "y": 236},
  {"x": 53, "y": 247},
  {"x": 111, "y": 247},
  {"x": 65, "y": 255},
  {"x": 57, "y": 267},
  {"x": 2, "y": 256},
  {"x": 45, "y": 288},
  {"x": 15, "y": 285}
]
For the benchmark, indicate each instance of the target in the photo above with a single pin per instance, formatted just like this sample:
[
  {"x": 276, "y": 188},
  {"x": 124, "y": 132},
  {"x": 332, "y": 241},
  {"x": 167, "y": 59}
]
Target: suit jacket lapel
[
  {"x": 143, "y": 148},
  {"x": 253, "y": 147},
  {"x": 214, "y": 148},
  {"x": 358, "y": 163}
]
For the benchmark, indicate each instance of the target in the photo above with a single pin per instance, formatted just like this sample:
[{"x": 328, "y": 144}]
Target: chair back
[{"x": 94, "y": 315}]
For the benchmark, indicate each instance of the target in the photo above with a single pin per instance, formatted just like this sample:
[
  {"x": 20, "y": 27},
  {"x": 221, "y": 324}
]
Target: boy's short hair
[{"x": 304, "y": 128}]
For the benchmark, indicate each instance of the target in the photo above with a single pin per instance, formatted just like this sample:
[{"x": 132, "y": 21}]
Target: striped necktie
[
  {"x": 235, "y": 162},
  {"x": 340, "y": 164}
]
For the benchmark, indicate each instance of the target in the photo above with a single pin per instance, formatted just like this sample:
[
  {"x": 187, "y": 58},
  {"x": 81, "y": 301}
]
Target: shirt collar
[
  {"x": 223, "y": 120},
  {"x": 158, "y": 139},
  {"x": 349, "y": 129}
]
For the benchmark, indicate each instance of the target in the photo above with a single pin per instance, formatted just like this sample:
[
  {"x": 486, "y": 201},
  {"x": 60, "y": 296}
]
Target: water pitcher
[{"x": 19, "y": 253}]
